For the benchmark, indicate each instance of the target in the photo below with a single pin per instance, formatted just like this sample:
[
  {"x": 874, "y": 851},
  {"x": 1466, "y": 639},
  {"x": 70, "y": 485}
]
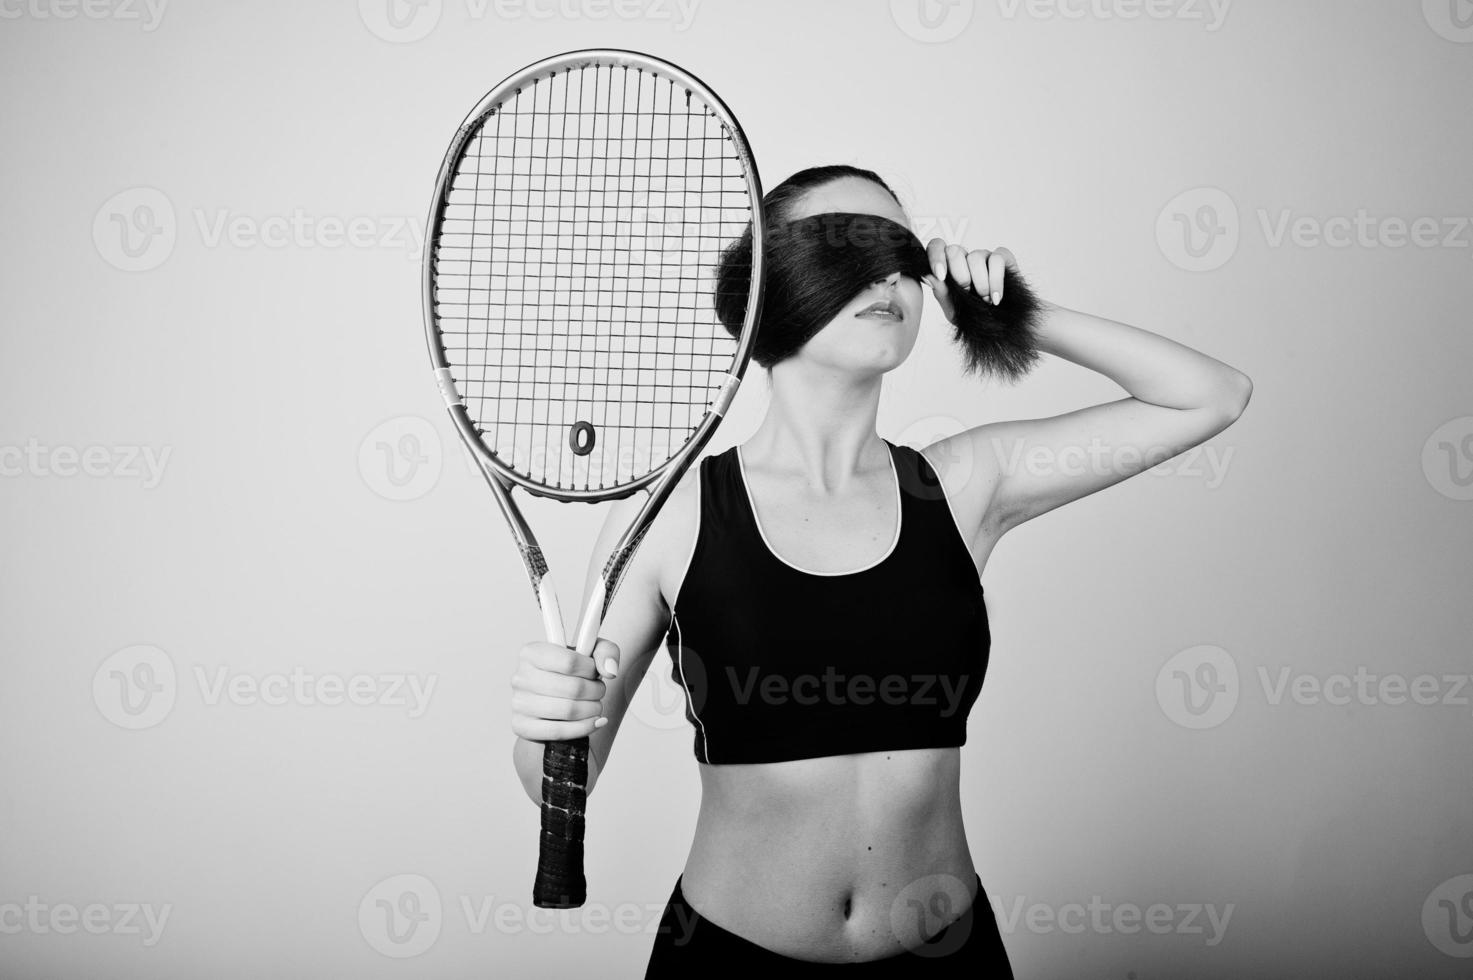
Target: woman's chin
[
  {"x": 891, "y": 352},
  {"x": 883, "y": 359},
  {"x": 865, "y": 355}
]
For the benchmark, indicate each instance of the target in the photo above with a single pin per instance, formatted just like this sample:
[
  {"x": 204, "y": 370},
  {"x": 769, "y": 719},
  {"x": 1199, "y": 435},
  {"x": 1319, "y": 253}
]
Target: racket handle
[{"x": 560, "y": 883}]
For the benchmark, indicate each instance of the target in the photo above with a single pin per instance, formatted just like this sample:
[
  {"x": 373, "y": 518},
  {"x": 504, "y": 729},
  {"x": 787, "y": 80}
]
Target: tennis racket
[{"x": 569, "y": 300}]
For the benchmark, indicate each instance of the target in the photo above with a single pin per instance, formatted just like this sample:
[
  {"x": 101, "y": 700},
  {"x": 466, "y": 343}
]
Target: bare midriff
[{"x": 822, "y": 859}]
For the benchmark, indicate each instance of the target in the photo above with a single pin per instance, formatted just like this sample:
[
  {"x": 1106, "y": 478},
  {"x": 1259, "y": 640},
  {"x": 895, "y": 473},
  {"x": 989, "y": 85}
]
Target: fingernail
[
  {"x": 610, "y": 667},
  {"x": 600, "y": 722},
  {"x": 996, "y": 299}
]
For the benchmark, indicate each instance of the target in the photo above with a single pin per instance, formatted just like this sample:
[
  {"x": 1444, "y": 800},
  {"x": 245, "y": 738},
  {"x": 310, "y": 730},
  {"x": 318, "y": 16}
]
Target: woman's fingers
[
  {"x": 977, "y": 263},
  {"x": 555, "y": 707},
  {"x": 558, "y": 685},
  {"x": 557, "y": 693},
  {"x": 982, "y": 270},
  {"x": 545, "y": 708},
  {"x": 560, "y": 659},
  {"x": 542, "y": 730},
  {"x": 936, "y": 255},
  {"x": 997, "y": 265},
  {"x": 943, "y": 296},
  {"x": 958, "y": 265}
]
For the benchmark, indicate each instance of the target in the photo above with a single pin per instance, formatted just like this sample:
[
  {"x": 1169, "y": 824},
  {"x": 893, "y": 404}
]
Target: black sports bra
[{"x": 781, "y": 663}]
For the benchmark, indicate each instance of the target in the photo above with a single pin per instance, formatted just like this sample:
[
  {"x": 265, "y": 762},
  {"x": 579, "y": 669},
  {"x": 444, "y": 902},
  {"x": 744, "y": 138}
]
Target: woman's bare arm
[
  {"x": 1179, "y": 398},
  {"x": 637, "y": 619}
]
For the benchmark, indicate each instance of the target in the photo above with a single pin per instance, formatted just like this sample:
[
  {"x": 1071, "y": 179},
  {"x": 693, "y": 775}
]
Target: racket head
[{"x": 569, "y": 272}]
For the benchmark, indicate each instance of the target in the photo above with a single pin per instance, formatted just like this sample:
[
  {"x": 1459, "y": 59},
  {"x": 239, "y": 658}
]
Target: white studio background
[{"x": 231, "y": 497}]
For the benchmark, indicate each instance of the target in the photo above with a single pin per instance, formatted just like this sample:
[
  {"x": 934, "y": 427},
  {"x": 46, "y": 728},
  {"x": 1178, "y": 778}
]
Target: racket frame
[{"x": 661, "y": 480}]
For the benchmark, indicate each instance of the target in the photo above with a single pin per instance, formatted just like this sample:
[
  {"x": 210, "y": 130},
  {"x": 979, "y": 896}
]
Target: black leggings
[{"x": 969, "y": 947}]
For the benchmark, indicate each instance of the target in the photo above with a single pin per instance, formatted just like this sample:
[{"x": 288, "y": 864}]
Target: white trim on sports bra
[
  {"x": 950, "y": 508},
  {"x": 899, "y": 519}
]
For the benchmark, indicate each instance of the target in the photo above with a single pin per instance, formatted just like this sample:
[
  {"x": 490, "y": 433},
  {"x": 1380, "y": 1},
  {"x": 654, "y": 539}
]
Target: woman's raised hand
[{"x": 980, "y": 269}]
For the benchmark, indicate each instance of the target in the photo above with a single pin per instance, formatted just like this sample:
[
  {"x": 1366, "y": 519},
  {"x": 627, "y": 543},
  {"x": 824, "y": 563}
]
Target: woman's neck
[{"x": 820, "y": 425}]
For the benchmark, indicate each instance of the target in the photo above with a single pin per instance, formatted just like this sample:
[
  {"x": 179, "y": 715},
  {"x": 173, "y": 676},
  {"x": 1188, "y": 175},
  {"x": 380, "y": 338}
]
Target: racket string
[{"x": 574, "y": 272}]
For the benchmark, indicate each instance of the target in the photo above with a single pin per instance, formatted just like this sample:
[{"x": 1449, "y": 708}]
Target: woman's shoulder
[{"x": 671, "y": 536}]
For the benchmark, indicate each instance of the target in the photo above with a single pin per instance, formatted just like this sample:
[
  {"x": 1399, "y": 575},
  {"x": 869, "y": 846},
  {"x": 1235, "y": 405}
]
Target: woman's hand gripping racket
[{"x": 569, "y": 291}]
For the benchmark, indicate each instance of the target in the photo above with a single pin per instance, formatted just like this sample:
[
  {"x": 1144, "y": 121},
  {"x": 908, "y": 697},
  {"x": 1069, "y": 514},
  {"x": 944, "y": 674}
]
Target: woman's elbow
[{"x": 1234, "y": 397}]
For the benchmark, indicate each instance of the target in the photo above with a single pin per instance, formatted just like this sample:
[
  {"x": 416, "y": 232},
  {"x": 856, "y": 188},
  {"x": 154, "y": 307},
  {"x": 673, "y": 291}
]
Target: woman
[{"x": 830, "y": 835}]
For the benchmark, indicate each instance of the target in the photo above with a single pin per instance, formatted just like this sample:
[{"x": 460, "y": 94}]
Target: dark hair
[
  {"x": 775, "y": 341},
  {"x": 777, "y": 204},
  {"x": 814, "y": 265}
]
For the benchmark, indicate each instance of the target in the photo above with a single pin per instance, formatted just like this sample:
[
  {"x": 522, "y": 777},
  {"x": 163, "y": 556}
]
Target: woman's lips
[{"x": 884, "y": 310}]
